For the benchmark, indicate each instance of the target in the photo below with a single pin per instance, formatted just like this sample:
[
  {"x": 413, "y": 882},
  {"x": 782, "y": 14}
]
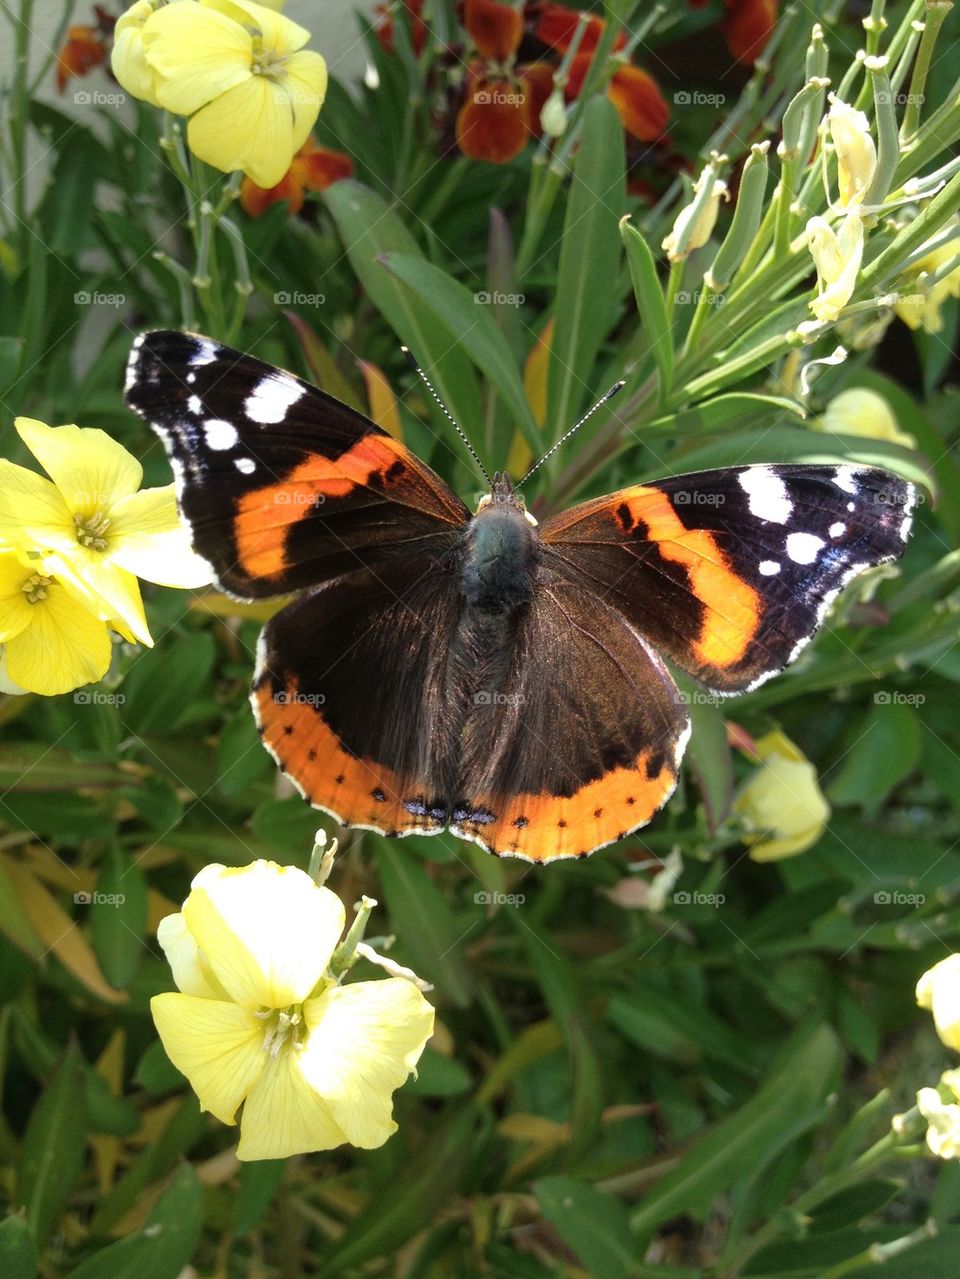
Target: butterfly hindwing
[
  {"x": 283, "y": 487},
  {"x": 729, "y": 572}
]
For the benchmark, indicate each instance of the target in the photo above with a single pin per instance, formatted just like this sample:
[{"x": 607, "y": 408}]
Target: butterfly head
[{"x": 502, "y": 494}]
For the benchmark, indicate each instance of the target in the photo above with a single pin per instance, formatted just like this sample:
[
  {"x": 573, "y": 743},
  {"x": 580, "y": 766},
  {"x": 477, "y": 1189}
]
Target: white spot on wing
[
  {"x": 245, "y": 465},
  {"x": 219, "y": 433},
  {"x": 195, "y": 404},
  {"x": 205, "y": 352},
  {"x": 803, "y": 548},
  {"x": 838, "y": 529},
  {"x": 271, "y": 399},
  {"x": 767, "y": 493},
  {"x": 845, "y": 478},
  {"x": 769, "y": 568}
]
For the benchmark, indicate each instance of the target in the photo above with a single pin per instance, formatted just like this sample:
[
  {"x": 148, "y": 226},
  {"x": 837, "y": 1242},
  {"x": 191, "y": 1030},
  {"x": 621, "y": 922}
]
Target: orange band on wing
[
  {"x": 732, "y": 606},
  {"x": 356, "y": 792},
  {"x": 544, "y": 827},
  {"x": 265, "y": 515}
]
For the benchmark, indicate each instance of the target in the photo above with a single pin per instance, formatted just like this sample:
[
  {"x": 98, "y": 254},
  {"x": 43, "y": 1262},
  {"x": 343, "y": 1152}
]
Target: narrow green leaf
[
  {"x": 323, "y": 368},
  {"x": 595, "y": 1225},
  {"x": 18, "y": 1252},
  {"x": 11, "y": 349},
  {"x": 34, "y": 766},
  {"x": 709, "y": 755},
  {"x": 259, "y": 1182},
  {"x": 469, "y": 321},
  {"x": 427, "y": 1183},
  {"x": 651, "y": 304},
  {"x": 788, "y": 1104},
  {"x": 118, "y": 919},
  {"x": 589, "y": 257},
  {"x": 886, "y": 747},
  {"x": 164, "y": 1245},
  {"x": 426, "y": 930},
  {"x": 54, "y": 1146},
  {"x": 738, "y": 408},
  {"x": 369, "y": 228},
  {"x": 13, "y": 922}
]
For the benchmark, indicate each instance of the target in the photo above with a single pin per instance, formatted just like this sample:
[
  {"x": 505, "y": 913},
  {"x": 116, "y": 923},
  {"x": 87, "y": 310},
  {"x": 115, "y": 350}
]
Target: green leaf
[
  {"x": 14, "y": 923},
  {"x": 849, "y": 1206},
  {"x": 11, "y": 349},
  {"x": 468, "y": 321},
  {"x": 738, "y": 408},
  {"x": 118, "y": 919},
  {"x": 439, "y": 1076},
  {"x": 709, "y": 755},
  {"x": 163, "y": 1246},
  {"x": 259, "y": 1182},
  {"x": 369, "y": 228},
  {"x": 156, "y": 1073},
  {"x": 36, "y": 767},
  {"x": 322, "y": 366},
  {"x": 426, "y": 1184},
  {"x": 789, "y": 1104},
  {"x": 589, "y": 257},
  {"x": 18, "y": 1252},
  {"x": 651, "y": 304},
  {"x": 884, "y": 748},
  {"x": 288, "y": 826},
  {"x": 164, "y": 682},
  {"x": 426, "y": 930},
  {"x": 54, "y": 1146},
  {"x": 595, "y": 1225}
]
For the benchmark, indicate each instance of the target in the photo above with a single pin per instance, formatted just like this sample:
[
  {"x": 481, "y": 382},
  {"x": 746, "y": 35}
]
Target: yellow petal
[
  {"x": 190, "y": 970},
  {"x": 268, "y": 931},
  {"x": 365, "y": 1039},
  {"x": 217, "y": 1045},
  {"x": 284, "y": 1116},
  {"x": 64, "y": 647},
  {"x": 16, "y": 612},
  {"x": 856, "y": 151},
  {"x": 89, "y": 468},
  {"x": 148, "y": 538},
  {"x": 943, "y": 1133},
  {"x": 198, "y": 54},
  {"x": 859, "y": 411},
  {"x": 782, "y": 806},
  {"x": 260, "y": 125},
  {"x": 102, "y": 587},
  {"x": 837, "y": 257},
  {"x": 32, "y": 511},
  {"x": 128, "y": 58},
  {"x": 939, "y": 991},
  {"x": 278, "y": 33}
]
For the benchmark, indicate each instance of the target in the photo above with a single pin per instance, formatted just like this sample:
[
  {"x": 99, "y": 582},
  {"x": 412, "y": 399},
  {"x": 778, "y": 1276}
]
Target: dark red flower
[
  {"x": 496, "y": 29},
  {"x": 313, "y": 168},
  {"x": 383, "y": 23},
  {"x": 82, "y": 51},
  {"x": 641, "y": 106},
  {"x": 748, "y": 26},
  {"x": 494, "y": 122}
]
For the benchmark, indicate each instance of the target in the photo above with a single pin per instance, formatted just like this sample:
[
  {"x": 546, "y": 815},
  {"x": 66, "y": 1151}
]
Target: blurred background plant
[{"x": 684, "y": 1056}]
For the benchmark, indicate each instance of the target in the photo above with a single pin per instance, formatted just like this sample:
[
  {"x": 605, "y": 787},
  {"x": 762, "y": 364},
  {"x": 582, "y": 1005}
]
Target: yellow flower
[
  {"x": 943, "y": 1117},
  {"x": 128, "y": 59},
  {"x": 856, "y": 152},
  {"x": 241, "y": 73},
  {"x": 782, "y": 806},
  {"x": 837, "y": 257},
  {"x": 919, "y": 307},
  {"x": 693, "y": 227},
  {"x": 262, "y": 1023},
  {"x": 92, "y": 528},
  {"x": 859, "y": 411},
  {"x": 938, "y": 990},
  {"x": 51, "y": 643}
]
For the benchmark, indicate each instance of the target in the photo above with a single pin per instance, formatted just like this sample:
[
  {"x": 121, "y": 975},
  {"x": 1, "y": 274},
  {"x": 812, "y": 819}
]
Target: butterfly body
[{"x": 477, "y": 672}]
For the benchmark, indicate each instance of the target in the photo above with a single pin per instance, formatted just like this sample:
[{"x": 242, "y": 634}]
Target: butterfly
[{"x": 477, "y": 672}]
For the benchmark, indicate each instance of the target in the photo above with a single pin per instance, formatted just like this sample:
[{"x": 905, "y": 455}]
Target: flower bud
[{"x": 856, "y": 152}]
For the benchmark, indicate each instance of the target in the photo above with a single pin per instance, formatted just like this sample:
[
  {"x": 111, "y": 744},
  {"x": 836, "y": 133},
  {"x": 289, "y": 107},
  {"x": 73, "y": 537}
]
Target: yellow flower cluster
[
  {"x": 261, "y": 1020},
  {"x": 70, "y": 549},
  {"x": 238, "y": 70},
  {"x": 938, "y": 990}
]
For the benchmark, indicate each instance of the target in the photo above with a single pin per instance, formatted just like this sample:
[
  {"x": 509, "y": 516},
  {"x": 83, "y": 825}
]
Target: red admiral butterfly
[{"x": 477, "y": 672}]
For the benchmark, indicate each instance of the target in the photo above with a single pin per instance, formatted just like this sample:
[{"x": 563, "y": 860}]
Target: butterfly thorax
[{"x": 502, "y": 553}]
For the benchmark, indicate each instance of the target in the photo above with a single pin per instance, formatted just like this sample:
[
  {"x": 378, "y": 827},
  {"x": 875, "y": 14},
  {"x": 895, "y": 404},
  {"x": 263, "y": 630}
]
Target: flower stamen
[
  {"x": 285, "y": 1027},
  {"x": 91, "y": 532},
  {"x": 35, "y": 587}
]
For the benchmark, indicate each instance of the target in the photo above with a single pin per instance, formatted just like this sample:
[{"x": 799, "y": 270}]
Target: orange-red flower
[
  {"x": 494, "y": 122},
  {"x": 383, "y": 24},
  {"x": 748, "y": 26},
  {"x": 496, "y": 29},
  {"x": 313, "y": 168},
  {"x": 642, "y": 108},
  {"x": 82, "y": 51}
]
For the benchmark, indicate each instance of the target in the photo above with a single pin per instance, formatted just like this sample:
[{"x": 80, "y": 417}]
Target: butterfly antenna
[
  {"x": 445, "y": 411},
  {"x": 617, "y": 386}
]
